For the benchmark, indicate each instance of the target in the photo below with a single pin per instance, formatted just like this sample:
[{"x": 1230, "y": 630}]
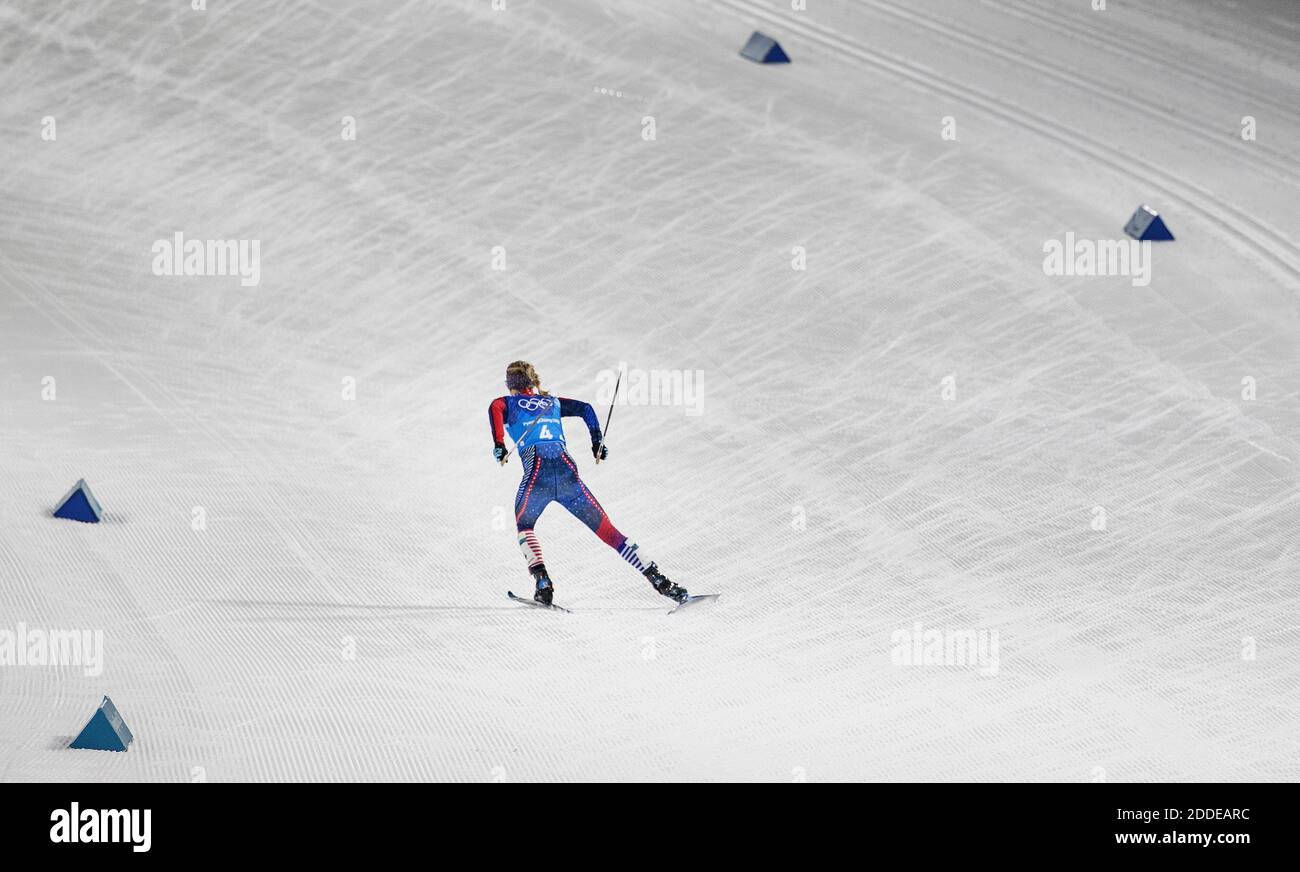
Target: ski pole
[{"x": 613, "y": 400}]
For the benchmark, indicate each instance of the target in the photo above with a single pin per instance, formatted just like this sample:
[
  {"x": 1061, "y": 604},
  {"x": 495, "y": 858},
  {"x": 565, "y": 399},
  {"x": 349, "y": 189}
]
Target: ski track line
[
  {"x": 1282, "y": 164},
  {"x": 1159, "y": 13},
  {"x": 1065, "y": 25},
  {"x": 1157, "y": 364},
  {"x": 1278, "y": 251}
]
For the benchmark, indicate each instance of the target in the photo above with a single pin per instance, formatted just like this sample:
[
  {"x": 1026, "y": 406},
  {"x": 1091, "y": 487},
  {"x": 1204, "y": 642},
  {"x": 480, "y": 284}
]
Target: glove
[
  {"x": 499, "y": 452},
  {"x": 599, "y": 451}
]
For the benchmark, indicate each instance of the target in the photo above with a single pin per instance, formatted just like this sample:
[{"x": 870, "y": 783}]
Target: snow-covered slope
[{"x": 920, "y": 428}]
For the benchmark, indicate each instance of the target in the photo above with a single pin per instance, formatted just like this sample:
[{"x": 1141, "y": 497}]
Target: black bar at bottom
[{"x": 332, "y": 822}]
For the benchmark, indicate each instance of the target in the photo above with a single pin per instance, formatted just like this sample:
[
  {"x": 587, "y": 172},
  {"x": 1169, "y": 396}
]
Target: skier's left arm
[{"x": 579, "y": 409}]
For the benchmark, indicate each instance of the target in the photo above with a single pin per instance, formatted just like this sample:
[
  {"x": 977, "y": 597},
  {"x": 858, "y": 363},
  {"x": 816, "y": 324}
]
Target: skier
[{"x": 532, "y": 418}]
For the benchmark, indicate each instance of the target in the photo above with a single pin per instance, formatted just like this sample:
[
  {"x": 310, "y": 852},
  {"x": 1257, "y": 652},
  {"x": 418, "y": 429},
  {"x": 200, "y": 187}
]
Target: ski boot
[
  {"x": 662, "y": 585},
  {"x": 545, "y": 590}
]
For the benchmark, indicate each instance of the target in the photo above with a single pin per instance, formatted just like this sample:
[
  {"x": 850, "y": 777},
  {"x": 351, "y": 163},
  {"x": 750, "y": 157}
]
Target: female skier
[{"x": 532, "y": 418}]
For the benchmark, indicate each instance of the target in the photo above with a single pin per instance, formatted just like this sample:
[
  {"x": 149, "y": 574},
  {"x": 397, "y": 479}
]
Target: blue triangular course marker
[
  {"x": 80, "y": 505},
  {"x": 763, "y": 49},
  {"x": 105, "y": 732},
  {"x": 1146, "y": 224}
]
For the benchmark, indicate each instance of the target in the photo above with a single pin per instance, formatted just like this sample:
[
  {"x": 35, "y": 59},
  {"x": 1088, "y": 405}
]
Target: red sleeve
[{"x": 497, "y": 418}]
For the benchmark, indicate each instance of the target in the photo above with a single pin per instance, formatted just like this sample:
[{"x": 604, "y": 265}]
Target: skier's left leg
[{"x": 573, "y": 494}]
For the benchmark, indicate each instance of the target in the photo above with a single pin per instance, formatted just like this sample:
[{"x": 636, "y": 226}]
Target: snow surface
[{"x": 383, "y": 523}]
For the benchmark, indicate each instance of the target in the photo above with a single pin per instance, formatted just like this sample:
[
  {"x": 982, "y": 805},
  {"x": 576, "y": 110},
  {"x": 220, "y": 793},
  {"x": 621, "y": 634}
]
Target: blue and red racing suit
[{"x": 534, "y": 423}]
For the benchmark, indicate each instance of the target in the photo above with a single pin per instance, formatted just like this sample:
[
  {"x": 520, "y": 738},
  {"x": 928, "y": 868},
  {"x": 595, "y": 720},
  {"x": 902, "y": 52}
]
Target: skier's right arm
[{"x": 497, "y": 421}]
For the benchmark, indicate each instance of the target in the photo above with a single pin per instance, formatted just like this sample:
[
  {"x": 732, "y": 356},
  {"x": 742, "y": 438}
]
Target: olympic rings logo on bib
[{"x": 532, "y": 404}]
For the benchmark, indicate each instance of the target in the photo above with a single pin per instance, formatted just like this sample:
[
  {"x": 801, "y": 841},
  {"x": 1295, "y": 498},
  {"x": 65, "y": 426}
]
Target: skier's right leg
[
  {"x": 543, "y": 588},
  {"x": 536, "y": 490}
]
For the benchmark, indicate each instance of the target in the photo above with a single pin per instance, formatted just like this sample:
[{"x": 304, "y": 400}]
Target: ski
[
  {"x": 553, "y": 607},
  {"x": 535, "y": 604},
  {"x": 694, "y": 599}
]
